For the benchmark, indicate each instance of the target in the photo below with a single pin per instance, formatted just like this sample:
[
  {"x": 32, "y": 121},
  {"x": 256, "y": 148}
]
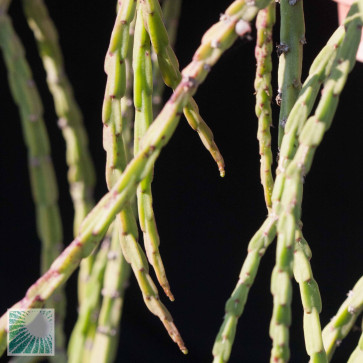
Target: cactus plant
[{"x": 298, "y": 90}]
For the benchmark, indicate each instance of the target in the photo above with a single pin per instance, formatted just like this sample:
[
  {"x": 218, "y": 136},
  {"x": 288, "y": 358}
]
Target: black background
[{"x": 205, "y": 222}]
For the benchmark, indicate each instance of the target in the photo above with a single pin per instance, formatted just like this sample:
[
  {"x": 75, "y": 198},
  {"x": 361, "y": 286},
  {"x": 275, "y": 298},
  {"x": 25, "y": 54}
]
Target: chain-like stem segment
[
  {"x": 309, "y": 139},
  {"x": 318, "y": 72},
  {"x": 310, "y": 298},
  {"x": 115, "y": 281},
  {"x": 88, "y": 311},
  {"x": 171, "y": 11},
  {"x": 290, "y": 50},
  {"x": 143, "y": 88},
  {"x": 343, "y": 321},
  {"x": 264, "y": 45},
  {"x": 81, "y": 174},
  {"x": 42, "y": 175},
  {"x": 116, "y": 158},
  {"x": 357, "y": 355},
  {"x": 169, "y": 68},
  {"x": 297, "y": 118},
  {"x": 127, "y": 125},
  {"x": 216, "y": 40},
  {"x": 236, "y": 303}
]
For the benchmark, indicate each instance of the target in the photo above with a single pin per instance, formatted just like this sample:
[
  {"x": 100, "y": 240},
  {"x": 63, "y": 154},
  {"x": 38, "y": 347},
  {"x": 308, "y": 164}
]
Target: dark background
[{"x": 205, "y": 222}]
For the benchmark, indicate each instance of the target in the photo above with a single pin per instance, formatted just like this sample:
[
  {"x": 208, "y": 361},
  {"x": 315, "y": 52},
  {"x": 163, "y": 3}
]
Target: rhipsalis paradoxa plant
[{"x": 121, "y": 238}]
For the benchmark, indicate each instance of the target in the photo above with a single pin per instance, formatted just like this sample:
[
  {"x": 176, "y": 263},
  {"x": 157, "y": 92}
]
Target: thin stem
[
  {"x": 171, "y": 12},
  {"x": 236, "y": 303},
  {"x": 116, "y": 156},
  {"x": 310, "y": 298},
  {"x": 343, "y": 321},
  {"x": 143, "y": 88},
  {"x": 290, "y": 49},
  {"x": 81, "y": 173},
  {"x": 264, "y": 24},
  {"x": 88, "y": 310},
  {"x": 169, "y": 68},
  {"x": 42, "y": 175},
  {"x": 309, "y": 139},
  {"x": 318, "y": 72},
  {"x": 98, "y": 220},
  {"x": 115, "y": 282},
  {"x": 357, "y": 355}
]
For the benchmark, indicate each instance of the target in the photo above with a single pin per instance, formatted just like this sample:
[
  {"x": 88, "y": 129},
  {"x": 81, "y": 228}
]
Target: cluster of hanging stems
[{"x": 140, "y": 60}]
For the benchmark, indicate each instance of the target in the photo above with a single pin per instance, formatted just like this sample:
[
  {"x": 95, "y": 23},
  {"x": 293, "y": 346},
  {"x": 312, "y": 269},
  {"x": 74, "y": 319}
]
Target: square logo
[{"x": 31, "y": 332}]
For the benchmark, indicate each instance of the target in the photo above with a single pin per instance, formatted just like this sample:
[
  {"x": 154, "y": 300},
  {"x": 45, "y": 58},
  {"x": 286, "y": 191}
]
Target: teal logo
[{"x": 30, "y": 332}]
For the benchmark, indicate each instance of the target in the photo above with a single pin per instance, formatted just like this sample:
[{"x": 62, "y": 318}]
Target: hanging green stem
[
  {"x": 264, "y": 24},
  {"x": 310, "y": 298},
  {"x": 115, "y": 281},
  {"x": 318, "y": 72},
  {"x": 171, "y": 11},
  {"x": 81, "y": 174},
  {"x": 169, "y": 68},
  {"x": 143, "y": 86},
  {"x": 116, "y": 158},
  {"x": 343, "y": 321},
  {"x": 42, "y": 175},
  {"x": 236, "y": 303},
  {"x": 127, "y": 125},
  {"x": 88, "y": 309},
  {"x": 357, "y": 355},
  {"x": 98, "y": 220},
  {"x": 309, "y": 139},
  {"x": 290, "y": 49}
]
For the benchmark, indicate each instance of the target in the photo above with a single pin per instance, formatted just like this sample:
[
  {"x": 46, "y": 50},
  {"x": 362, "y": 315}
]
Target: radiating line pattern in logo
[{"x": 31, "y": 332}]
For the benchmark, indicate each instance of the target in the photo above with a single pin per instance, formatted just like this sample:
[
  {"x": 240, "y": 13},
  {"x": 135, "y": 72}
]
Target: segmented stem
[
  {"x": 264, "y": 24},
  {"x": 290, "y": 49},
  {"x": 143, "y": 88},
  {"x": 127, "y": 125},
  {"x": 236, "y": 303},
  {"x": 171, "y": 11},
  {"x": 115, "y": 281},
  {"x": 169, "y": 68},
  {"x": 309, "y": 139},
  {"x": 88, "y": 311},
  {"x": 343, "y": 321},
  {"x": 318, "y": 72},
  {"x": 310, "y": 298},
  {"x": 357, "y": 355},
  {"x": 159, "y": 133},
  {"x": 116, "y": 158},
  {"x": 81, "y": 173},
  {"x": 42, "y": 175}
]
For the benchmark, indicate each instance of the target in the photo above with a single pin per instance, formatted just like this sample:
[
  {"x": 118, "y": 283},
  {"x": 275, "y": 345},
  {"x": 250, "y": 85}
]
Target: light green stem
[
  {"x": 264, "y": 45},
  {"x": 116, "y": 159},
  {"x": 98, "y": 220},
  {"x": 81, "y": 174},
  {"x": 309, "y": 139},
  {"x": 343, "y": 321},
  {"x": 88, "y": 311},
  {"x": 292, "y": 39},
  {"x": 143, "y": 88},
  {"x": 318, "y": 72},
  {"x": 236, "y": 303},
  {"x": 169, "y": 68},
  {"x": 42, "y": 175},
  {"x": 171, "y": 11},
  {"x": 115, "y": 281},
  {"x": 310, "y": 298},
  {"x": 357, "y": 355}
]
